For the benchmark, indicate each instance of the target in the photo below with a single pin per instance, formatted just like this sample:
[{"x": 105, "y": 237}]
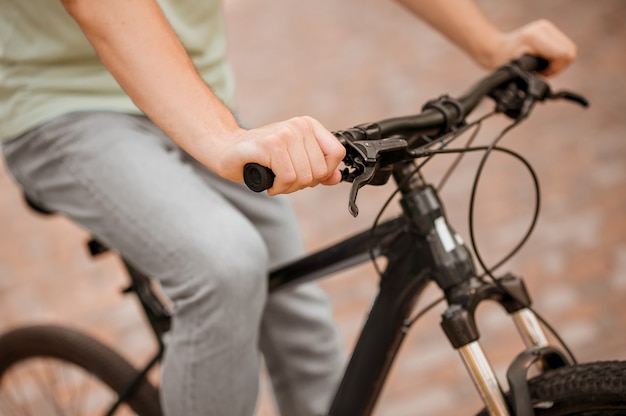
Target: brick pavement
[{"x": 355, "y": 61}]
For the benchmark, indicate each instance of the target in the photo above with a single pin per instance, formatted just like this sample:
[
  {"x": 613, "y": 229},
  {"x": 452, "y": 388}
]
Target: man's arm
[
  {"x": 466, "y": 26},
  {"x": 137, "y": 45}
]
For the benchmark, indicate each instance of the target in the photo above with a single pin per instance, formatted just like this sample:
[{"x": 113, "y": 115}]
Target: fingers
[
  {"x": 333, "y": 151},
  {"x": 544, "y": 39},
  {"x": 553, "y": 45},
  {"x": 300, "y": 152}
]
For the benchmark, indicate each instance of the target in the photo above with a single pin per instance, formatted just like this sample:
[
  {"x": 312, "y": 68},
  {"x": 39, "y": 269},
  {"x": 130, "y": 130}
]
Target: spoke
[
  {"x": 15, "y": 384},
  {"x": 80, "y": 394},
  {"x": 7, "y": 399},
  {"x": 49, "y": 388}
]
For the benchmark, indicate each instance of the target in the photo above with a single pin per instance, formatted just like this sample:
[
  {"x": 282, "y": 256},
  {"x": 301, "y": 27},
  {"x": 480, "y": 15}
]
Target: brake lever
[
  {"x": 517, "y": 98},
  {"x": 366, "y": 157},
  {"x": 363, "y": 179},
  {"x": 570, "y": 96}
]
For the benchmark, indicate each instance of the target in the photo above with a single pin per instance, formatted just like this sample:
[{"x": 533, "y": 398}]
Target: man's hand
[
  {"x": 541, "y": 38},
  {"x": 301, "y": 152}
]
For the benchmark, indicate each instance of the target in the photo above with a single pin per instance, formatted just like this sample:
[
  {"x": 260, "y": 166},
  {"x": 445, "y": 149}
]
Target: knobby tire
[{"x": 596, "y": 388}]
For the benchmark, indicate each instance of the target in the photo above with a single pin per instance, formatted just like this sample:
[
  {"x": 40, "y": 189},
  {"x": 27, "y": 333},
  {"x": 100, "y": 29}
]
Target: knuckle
[
  {"x": 341, "y": 152},
  {"x": 308, "y": 120},
  {"x": 319, "y": 171},
  {"x": 306, "y": 179},
  {"x": 274, "y": 140},
  {"x": 303, "y": 124},
  {"x": 544, "y": 25},
  {"x": 289, "y": 178}
]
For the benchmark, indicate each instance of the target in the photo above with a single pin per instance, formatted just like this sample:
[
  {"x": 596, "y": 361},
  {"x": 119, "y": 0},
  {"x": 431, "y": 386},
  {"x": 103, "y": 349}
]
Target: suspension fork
[
  {"x": 454, "y": 273},
  {"x": 458, "y": 323}
]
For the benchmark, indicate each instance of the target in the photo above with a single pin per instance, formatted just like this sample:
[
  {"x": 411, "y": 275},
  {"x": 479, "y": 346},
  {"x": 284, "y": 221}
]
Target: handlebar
[
  {"x": 442, "y": 115},
  {"x": 432, "y": 119}
]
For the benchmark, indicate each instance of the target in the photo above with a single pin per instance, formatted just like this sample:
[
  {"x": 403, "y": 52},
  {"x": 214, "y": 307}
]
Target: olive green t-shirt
[{"x": 48, "y": 68}]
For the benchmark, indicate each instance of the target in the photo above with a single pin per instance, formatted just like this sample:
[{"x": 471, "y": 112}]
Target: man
[{"x": 117, "y": 114}]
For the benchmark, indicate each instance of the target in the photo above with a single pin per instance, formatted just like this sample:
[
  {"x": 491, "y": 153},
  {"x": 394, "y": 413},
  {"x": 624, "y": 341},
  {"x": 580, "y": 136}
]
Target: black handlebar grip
[
  {"x": 258, "y": 178},
  {"x": 532, "y": 63}
]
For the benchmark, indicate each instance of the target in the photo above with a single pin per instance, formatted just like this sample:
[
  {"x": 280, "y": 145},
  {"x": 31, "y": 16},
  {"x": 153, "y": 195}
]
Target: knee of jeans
[{"x": 217, "y": 270}]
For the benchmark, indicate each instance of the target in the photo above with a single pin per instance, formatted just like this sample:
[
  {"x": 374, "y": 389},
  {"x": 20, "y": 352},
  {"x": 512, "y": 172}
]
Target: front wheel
[
  {"x": 597, "y": 388},
  {"x": 50, "y": 370}
]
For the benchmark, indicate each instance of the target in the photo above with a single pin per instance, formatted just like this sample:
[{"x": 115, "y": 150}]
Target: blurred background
[{"x": 354, "y": 61}]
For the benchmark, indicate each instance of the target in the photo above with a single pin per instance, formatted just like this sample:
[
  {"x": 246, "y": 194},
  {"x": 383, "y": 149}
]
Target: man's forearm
[
  {"x": 137, "y": 45},
  {"x": 462, "y": 22}
]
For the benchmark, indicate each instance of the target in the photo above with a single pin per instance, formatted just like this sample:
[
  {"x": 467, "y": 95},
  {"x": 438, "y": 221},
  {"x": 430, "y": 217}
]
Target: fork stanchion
[
  {"x": 484, "y": 378},
  {"x": 529, "y": 328}
]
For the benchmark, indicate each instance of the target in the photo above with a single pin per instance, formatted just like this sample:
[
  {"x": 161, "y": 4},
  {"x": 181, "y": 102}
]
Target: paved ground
[{"x": 354, "y": 61}]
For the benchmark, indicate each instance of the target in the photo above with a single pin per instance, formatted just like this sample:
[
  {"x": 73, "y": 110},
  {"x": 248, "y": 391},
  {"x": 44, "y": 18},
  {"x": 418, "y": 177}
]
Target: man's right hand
[{"x": 300, "y": 151}]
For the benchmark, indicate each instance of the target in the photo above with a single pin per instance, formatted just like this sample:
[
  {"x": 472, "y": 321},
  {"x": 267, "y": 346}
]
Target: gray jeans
[{"x": 209, "y": 242}]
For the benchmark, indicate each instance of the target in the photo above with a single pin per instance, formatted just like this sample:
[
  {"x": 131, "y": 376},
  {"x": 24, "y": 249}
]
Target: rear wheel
[
  {"x": 597, "y": 388},
  {"x": 49, "y": 370}
]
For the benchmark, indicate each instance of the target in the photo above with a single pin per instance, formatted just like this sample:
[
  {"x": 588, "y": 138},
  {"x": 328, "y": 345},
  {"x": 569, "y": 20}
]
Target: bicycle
[{"x": 420, "y": 248}]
